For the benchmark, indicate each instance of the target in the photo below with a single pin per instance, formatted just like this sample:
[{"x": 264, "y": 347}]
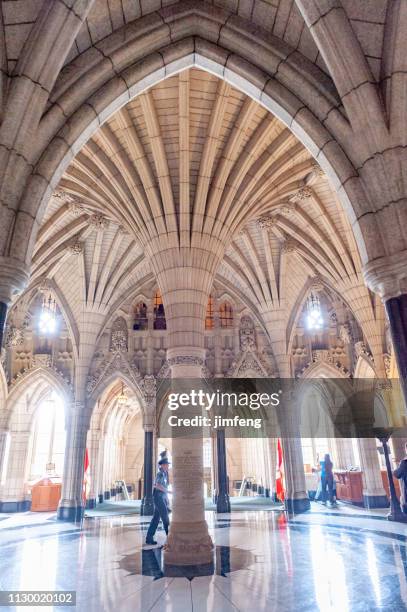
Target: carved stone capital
[
  {"x": 14, "y": 277},
  {"x": 387, "y": 276}
]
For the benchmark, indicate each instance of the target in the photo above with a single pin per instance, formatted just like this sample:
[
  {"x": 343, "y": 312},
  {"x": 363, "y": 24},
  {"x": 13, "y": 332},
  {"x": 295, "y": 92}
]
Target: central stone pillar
[{"x": 188, "y": 541}]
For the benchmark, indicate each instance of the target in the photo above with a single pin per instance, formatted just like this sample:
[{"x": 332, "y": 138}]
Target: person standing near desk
[{"x": 160, "y": 499}]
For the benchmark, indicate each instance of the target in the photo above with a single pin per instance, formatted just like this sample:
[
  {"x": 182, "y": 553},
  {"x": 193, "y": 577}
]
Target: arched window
[
  {"x": 140, "y": 316},
  {"x": 314, "y": 318},
  {"x": 159, "y": 312},
  {"x": 48, "y": 447},
  {"x": 209, "y": 320},
  {"x": 226, "y": 315}
]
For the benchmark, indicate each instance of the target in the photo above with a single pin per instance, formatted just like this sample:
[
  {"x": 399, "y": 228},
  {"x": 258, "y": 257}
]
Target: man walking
[{"x": 160, "y": 499}]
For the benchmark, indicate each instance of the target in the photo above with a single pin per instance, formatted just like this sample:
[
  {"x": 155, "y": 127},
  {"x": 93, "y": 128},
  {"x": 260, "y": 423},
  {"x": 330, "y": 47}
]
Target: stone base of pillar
[
  {"x": 375, "y": 501},
  {"x": 188, "y": 544},
  {"x": 223, "y": 503},
  {"x": 90, "y": 503},
  {"x": 70, "y": 514},
  {"x": 147, "y": 506},
  {"x": 15, "y": 506},
  {"x": 297, "y": 506}
]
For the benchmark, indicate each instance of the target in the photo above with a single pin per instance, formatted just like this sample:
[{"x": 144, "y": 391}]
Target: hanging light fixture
[
  {"x": 122, "y": 398},
  {"x": 315, "y": 320},
  {"x": 48, "y": 316}
]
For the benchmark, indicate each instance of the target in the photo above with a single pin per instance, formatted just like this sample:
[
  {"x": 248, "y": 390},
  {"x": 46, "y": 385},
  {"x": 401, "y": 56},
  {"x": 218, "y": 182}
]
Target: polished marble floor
[{"x": 329, "y": 560}]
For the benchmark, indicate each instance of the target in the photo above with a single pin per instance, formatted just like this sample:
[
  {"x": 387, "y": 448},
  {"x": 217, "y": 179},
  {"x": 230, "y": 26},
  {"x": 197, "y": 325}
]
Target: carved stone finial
[
  {"x": 267, "y": 222},
  {"x": 98, "y": 221},
  {"x": 303, "y": 193},
  {"x": 75, "y": 247}
]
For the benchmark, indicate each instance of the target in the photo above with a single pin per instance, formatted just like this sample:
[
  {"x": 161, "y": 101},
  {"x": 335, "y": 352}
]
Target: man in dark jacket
[
  {"x": 160, "y": 499},
  {"x": 401, "y": 474}
]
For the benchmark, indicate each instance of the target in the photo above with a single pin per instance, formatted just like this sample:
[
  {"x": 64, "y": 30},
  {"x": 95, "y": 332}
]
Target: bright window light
[
  {"x": 314, "y": 316},
  {"x": 47, "y": 322},
  {"x": 314, "y": 319}
]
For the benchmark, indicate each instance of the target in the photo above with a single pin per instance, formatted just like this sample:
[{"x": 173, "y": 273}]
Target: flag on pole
[
  {"x": 86, "y": 479},
  {"x": 280, "y": 472}
]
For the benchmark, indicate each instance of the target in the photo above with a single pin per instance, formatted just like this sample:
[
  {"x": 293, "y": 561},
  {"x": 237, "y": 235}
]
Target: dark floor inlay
[{"x": 151, "y": 563}]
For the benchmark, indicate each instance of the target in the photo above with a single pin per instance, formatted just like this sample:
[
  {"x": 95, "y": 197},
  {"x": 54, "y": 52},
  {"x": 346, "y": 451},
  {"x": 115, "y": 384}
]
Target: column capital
[
  {"x": 14, "y": 276},
  {"x": 387, "y": 276}
]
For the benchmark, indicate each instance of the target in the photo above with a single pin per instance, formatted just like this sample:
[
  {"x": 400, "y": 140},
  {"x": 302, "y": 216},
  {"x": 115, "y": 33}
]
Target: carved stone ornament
[
  {"x": 345, "y": 333},
  {"x": 185, "y": 360},
  {"x": 361, "y": 349},
  {"x": 113, "y": 364},
  {"x": 75, "y": 247},
  {"x": 321, "y": 356},
  {"x": 98, "y": 221},
  {"x": 76, "y": 208},
  {"x": 303, "y": 193},
  {"x": 317, "y": 170},
  {"x": 149, "y": 389},
  {"x": 267, "y": 222},
  {"x": 119, "y": 335},
  {"x": 62, "y": 196},
  {"x": 387, "y": 364},
  {"x": 247, "y": 334},
  {"x": 164, "y": 371},
  {"x": 14, "y": 337},
  {"x": 42, "y": 360}
]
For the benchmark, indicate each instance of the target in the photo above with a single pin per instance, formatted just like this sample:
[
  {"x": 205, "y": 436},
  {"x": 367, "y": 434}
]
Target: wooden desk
[{"x": 349, "y": 486}]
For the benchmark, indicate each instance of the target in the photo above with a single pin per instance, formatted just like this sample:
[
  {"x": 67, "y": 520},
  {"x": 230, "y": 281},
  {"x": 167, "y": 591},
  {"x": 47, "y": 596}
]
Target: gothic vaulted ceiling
[{"x": 194, "y": 155}]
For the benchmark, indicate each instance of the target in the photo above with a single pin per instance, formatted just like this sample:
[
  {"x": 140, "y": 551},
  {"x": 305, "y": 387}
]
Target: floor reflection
[
  {"x": 261, "y": 560},
  {"x": 150, "y": 562}
]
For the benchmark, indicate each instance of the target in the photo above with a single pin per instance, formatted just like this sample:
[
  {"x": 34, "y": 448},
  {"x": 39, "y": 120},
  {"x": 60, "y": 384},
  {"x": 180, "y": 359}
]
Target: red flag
[
  {"x": 280, "y": 472},
  {"x": 86, "y": 481}
]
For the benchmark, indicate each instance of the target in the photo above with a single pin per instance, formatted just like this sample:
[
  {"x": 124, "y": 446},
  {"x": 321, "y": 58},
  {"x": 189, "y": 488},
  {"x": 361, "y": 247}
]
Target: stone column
[
  {"x": 4, "y": 433},
  {"x": 93, "y": 441},
  {"x": 374, "y": 495},
  {"x": 296, "y": 495},
  {"x": 222, "y": 502},
  {"x": 387, "y": 277},
  {"x": 147, "y": 506},
  {"x": 13, "y": 496},
  {"x": 344, "y": 453},
  {"x": 71, "y": 507},
  {"x": 188, "y": 541},
  {"x": 396, "y": 309}
]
